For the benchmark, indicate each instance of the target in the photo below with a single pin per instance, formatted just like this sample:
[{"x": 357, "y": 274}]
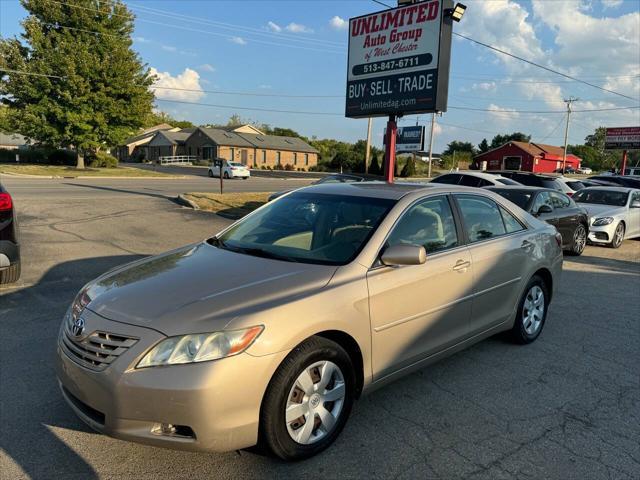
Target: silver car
[
  {"x": 269, "y": 331},
  {"x": 614, "y": 213}
]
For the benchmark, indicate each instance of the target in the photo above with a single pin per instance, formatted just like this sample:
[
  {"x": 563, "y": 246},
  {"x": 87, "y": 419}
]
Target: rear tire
[
  {"x": 317, "y": 380},
  {"x": 618, "y": 236},
  {"x": 10, "y": 274},
  {"x": 210, "y": 174},
  {"x": 226, "y": 175},
  {"x": 532, "y": 312},
  {"x": 579, "y": 241}
]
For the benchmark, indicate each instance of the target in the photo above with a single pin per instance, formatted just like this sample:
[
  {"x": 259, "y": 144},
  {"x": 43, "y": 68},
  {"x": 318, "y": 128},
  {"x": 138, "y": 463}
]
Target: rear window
[
  {"x": 551, "y": 183},
  {"x": 507, "y": 181},
  {"x": 449, "y": 179},
  {"x": 576, "y": 185},
  {"x": 520, "y": 198}
]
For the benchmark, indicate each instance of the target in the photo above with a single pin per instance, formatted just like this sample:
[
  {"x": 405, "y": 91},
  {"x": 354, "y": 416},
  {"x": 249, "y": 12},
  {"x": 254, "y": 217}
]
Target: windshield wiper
[{"x": 259, "y": 252}]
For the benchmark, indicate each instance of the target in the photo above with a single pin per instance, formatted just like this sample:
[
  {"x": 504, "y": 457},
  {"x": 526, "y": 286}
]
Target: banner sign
[
  {"x": 399, "y": 61},
  {"x": 624, "y": 138},
  {"x": 409, "y": 139}
]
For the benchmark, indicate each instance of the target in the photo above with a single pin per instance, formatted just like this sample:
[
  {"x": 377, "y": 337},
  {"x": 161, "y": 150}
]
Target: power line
[
  {"x": 553, "y": 130},
  {"x": 257, "y": 109},
  {"x": 381, "y": 3},
  {"x": 247, "y": 94}
]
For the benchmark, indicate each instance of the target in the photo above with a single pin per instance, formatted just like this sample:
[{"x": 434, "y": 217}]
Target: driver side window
[
  {"x": 543, "y": 198},
  {"x": 429, "y": 224}
]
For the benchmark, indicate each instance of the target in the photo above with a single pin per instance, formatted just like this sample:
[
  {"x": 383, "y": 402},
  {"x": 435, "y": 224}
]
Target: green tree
[
  {"x": 156, "y": 118},
  {"x": 500, "y": 140},
  {"x": 375, "y": 168},
  {"x": 92, "y": 90},
  {"x": 483, "y": 146},
  {"x": 457, "y": 146},
  {"x": 409, "y": 169}
]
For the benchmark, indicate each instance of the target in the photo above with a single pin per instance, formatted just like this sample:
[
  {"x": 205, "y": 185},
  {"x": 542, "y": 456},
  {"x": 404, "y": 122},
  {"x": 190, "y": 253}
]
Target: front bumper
[
  {"x": 602, "y": 235},
  {"x": 217, "y": 402},
  {"x": 240, "y": 174}
]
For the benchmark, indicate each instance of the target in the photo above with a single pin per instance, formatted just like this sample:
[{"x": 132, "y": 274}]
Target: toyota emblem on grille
[{"x": 77, "y": 327}]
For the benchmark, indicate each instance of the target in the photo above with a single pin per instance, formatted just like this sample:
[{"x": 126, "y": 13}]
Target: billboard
[
  {"x": 622, "y": 138},
  {"x": 409, "y": 139},
  {"x": 399, "y": 61}
]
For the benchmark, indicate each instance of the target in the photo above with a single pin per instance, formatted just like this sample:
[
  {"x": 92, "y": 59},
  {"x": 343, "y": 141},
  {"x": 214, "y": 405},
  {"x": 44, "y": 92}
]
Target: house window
[
  {"x": 278, "y": 157},
  {"x": 233, "y": 154},
  {"x": 295, "y": 158},
  {"x": 264, "y": 156},
  {"x": 306, "y": 159}
]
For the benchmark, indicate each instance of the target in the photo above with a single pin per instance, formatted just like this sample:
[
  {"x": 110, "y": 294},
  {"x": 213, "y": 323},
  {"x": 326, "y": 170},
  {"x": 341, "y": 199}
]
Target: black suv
[
  {"x": 532, "y": 179},
  {"x": 9, "y": 246}
]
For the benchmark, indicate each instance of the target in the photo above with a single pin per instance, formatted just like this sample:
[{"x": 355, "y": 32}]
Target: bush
[
  {"x": 63, "y": 157},
  {"x": 409, "y": 169},
  {"x": 102, "y": 160},
  {"x": 289, "y": 168}
]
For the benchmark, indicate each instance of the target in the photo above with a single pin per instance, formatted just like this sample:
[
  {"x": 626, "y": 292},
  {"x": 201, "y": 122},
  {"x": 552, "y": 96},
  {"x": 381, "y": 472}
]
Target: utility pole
[
  {"x": 433, "y": 126},
  {"x": 568, "y": 101},
  {"x": 368, "y": 153}
]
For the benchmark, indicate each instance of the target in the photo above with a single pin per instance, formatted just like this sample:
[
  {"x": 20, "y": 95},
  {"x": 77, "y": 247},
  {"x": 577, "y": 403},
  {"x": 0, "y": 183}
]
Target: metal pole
[
  {"x": 390, "y": 153},
  {"x": 624, "y": 162},
  {"x": 569, "y": 101},
  {"x": 368, "y": 153},
  {"x": 433, "y": 125}
]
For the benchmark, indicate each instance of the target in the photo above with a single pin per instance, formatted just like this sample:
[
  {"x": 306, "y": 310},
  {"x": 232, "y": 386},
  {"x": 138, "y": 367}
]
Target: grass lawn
[
  {"x": 62, "y": 171},
  {"x": 230, "y": 205}
]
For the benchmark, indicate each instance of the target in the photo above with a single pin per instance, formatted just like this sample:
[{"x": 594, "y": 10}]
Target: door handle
[
  {"x": 461, "y": 266},
  {"x": 526, "y": 245}
]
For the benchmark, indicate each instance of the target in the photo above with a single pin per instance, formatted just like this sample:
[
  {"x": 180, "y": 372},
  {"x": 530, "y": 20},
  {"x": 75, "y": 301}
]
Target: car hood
[
  {"x": 200, "y": 288},
  {"x": 595, "y": 210}
]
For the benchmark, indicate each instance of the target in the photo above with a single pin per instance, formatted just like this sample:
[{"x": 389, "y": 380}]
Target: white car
[
  {"x": 570, "y": 185},
  {"x": 230, "y": 170},
  {"x": 474, "y": 179},
  {"x": 585, "y": 170},
  {"x": 614, "y": 213}
]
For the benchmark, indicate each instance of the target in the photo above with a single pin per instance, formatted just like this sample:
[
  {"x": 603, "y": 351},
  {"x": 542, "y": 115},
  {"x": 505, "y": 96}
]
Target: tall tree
[
  {"x": 457, "y": 146},
  {"x": 87, "y": 88},
  {"x": 500, "y": 140},
  {"x": 483, "y": 146}
]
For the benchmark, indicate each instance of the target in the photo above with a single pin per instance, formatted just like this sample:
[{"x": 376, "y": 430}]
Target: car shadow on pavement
[
  {"x": 34, "y": 416},
  {"x": 121, "y": 190}
]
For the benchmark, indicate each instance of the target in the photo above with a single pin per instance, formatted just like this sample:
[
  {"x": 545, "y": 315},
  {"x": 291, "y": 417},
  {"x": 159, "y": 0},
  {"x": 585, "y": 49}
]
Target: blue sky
[{"x": 299, "y": 48}]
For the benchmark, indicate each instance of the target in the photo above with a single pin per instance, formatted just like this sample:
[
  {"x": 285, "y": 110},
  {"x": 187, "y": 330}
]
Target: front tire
[
  {"x": 10, "y": 274},
  {"x": 210, "y": 174},
  {"x": 308, "y": 400},
  {"x": 579, "y": 240},
  {"x": 226, "y": 175},
  {"x": 618, "y": 236},
  {"x": 532, "y": 312}
]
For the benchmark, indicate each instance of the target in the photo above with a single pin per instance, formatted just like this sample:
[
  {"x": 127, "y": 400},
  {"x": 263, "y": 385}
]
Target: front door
[
  {"x": 499, "y": 245},
  {"x": 244, "y": 157},
  {"x": 566, "y": 213},
  {"x": 417, "y": 310}
]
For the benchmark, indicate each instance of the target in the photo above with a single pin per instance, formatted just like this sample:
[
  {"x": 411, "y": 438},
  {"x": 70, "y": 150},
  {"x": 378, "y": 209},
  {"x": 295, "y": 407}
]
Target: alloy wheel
[
  {"x": 579, "y": 239},
  {"x": 618, "y": 236},
  {"x": 315, "y": 402},
  {"x": 533, "y": 311}
]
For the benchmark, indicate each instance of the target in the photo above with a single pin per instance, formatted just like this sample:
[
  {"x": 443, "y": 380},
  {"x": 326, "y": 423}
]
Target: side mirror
[
  {"x": 404, "y": 255},
  {"x": 635, "y": 204},
  {"x": 544, "y": 209}
]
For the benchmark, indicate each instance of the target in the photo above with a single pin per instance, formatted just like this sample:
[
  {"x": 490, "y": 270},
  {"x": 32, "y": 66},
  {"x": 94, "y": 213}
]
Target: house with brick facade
[
  {"x": 529, "y": 157},
  {"x": 136, "y": 148},
  {"x": 248, "y": 145},
  {"x": 168, "y": 143}
]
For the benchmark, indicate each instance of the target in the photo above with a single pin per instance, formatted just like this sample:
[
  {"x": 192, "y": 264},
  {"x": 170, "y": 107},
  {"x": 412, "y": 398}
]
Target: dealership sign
[
  {"x": 409, "y": 139},
  {"x": 624, "y": 138},
  {"x": 399, "y": 61}
]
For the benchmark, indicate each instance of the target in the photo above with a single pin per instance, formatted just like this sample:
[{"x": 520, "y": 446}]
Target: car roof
[
  {"x": 523, "y": 188},
  {"x": 611, "y": 188},
  {"x": 485, "y": 175},
  {"x": 379, "y": 189},
  {"x": 521, "y": 172}
]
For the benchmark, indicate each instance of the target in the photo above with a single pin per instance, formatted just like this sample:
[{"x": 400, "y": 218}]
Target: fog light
[{"x": 171, "y": 430}]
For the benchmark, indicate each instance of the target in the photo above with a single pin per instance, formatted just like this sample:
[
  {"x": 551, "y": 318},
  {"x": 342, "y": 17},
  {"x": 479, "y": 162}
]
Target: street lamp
[{"x": 456, "y": 12}]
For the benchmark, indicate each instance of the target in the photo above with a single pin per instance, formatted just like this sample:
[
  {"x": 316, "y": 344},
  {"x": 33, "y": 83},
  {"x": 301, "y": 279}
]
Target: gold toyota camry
[{"x": 269, "y": 331}]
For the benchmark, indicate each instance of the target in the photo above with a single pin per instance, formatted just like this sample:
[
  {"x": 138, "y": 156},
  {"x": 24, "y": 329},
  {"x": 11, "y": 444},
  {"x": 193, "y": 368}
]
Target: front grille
[{"x": 97, "y": 350}]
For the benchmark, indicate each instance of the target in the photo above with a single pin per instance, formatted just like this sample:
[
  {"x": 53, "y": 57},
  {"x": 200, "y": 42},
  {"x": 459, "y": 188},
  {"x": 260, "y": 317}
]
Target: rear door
[
  {"x": 566, "y": 213},
  {"x": 499, "y": 245}
]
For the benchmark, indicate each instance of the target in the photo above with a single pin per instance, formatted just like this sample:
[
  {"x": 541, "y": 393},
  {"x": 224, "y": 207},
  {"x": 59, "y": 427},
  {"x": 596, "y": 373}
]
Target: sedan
[
  {"x": 269, "y": 331},
  {"x": 585, "y": 170},
  {"x": 9, "y": 245},
  {"x": 473, "y": 179},
  {"x": 614, "y": 213},
  {"x": 623, "y": 181},
  {"x": 230, "y": 170},
  {"x": 556, "y": 208}
]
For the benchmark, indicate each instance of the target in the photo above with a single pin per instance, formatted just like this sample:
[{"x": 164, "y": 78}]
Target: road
[{"x": 565, "y": 407}]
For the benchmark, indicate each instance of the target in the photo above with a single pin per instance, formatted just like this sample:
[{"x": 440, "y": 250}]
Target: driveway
[{"x": 567, "y": 406}]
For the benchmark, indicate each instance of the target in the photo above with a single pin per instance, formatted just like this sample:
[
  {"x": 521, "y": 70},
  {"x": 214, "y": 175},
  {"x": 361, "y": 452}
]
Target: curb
[
  {"x": 85, "y": 177},
  {"x": 185, "y": 202}
]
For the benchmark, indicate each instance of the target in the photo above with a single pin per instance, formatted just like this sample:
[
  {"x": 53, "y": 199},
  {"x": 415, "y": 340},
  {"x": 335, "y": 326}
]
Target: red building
[{"x": 529, "y": 157}]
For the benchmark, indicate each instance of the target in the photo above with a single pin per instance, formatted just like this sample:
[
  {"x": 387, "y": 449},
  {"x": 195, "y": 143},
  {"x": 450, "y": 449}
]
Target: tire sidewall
[
  {"x": 573, "y": 247},
  {"x": 273, "y": 422},
  {"x": 520, "y": 334},
  {"x": 613, "y": 243}
]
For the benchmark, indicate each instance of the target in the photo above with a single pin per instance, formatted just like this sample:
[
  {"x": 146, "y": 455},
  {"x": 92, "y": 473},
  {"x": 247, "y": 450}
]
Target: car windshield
[
  {"x": 602, "y": 197},
  {"x": 519, "y": 197},
  {"x": 308, "y": 227}
]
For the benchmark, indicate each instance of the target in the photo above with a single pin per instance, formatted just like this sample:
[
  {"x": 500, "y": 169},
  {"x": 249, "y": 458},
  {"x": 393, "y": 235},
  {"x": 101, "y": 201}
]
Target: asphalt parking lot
[{"x": 565, "y": 407}]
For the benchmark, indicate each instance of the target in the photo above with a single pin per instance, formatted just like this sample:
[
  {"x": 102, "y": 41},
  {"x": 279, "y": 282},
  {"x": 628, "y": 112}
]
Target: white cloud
[
  {"x": 141, "y": 40},
  {"x": 238, "y": 40},
  {"x": 338, "y": 23},
  {"x": 274, "y": 27},
  {"x": 187, "y": 83},
  {"x": 205, "y": 67},
  {"x": 503, "y": 114},
  {"x": 265, "y": 87},
  {"x": 611, "y": 3},
  {"x": 484, "y": 86},
  {"x": 169, "y": 48},
  {"x": 298, "y": 28}
]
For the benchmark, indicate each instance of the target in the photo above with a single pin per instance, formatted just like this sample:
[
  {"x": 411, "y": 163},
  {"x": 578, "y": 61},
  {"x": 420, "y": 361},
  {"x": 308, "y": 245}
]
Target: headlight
[
  {"x": 599, "y": 222},
  {"x": 201, "y": 347},
  {"x": 79, "y": 303}
]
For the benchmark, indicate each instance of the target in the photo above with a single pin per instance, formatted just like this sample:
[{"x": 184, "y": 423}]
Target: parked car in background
[
  {"x": 337, "y": 178},
  {"x": 621, "y": 180},
  {"x": 571, "y": 184},
  {"x": 230, "y": 170},
  {"x": 9, "y": 244},
  {"x": 534, "y": 179},
  {"x": 556, "y": 208},
  {"x": 597, "y": 183},
  {"x": 585, "y": 170},
  {"x": 635, "y": 171},
  {"x": 568, "y": 170},
  {"x": 614, "y": 213},
  {"x": 473, "y": 179},
  {"x": 269, "y": 331}
]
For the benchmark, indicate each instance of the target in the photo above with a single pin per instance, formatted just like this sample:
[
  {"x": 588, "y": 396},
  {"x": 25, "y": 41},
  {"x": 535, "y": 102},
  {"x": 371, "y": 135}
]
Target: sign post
[
  {"x": 399, "y": 65},
  {"x": 625, "y": 138}
]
